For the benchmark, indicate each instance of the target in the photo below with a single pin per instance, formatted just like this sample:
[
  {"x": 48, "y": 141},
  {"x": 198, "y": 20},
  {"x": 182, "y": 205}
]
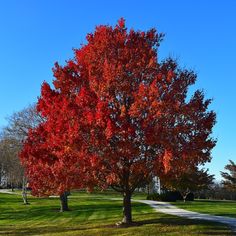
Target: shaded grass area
[
  {"x": 220, "y": 208},
  {"x": 92, "y": 214}
]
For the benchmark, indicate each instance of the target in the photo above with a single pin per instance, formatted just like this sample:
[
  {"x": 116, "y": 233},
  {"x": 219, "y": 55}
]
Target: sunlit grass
[
  {"x": 221, "y": 208},
  {"x": 92, "y": 214}
]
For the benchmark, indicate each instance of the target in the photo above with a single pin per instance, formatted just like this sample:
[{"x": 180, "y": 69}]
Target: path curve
[{"x": 173, "y": 210}]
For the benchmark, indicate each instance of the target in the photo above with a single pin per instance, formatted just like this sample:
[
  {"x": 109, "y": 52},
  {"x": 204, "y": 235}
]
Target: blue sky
[{"x": 200, "y": 34}]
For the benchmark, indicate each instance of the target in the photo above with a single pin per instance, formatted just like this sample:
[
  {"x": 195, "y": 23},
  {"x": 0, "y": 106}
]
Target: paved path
[
  {"x": 7, "y": 191},
  {"x": 172, "y": 210}
]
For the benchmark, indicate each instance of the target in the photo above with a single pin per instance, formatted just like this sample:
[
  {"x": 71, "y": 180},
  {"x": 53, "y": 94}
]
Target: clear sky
[{"x": 201, "y": 34}]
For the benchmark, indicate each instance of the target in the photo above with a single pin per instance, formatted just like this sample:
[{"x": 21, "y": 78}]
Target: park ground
[
  {"x": 213, "y": 207},
  {"x": 96, "y": 214}
]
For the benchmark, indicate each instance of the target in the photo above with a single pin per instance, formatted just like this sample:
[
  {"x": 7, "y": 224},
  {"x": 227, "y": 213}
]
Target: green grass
[
  {"x": 220, "y": 208},
  {"x": 92, "y": 214}
]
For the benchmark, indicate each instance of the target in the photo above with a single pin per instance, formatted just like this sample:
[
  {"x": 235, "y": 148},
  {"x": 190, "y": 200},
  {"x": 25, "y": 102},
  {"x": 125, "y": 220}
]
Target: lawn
[
  {"x": 92, "y": 214},
  {"x": 220, "y": 208}
]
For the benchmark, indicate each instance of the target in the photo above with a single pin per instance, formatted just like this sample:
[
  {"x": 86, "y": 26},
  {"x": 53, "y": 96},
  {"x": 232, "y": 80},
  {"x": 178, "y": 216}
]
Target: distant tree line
[
  {"x": 12, "y": 137},
  {"x": 198, "y": 183}
]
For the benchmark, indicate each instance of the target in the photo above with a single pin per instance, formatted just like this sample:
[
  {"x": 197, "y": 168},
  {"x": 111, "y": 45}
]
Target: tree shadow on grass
[
  {"x": 39, "y": 230},
  {"x": 45, "y": 209},
  {"x": 168, "y": 220},
  {"x": 163, "y": 221}
]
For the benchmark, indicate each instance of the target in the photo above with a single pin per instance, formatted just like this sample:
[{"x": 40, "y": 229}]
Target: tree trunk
[
  {"x": 64, "y": 201},
  {"x": 185, "y": 195},
  {"x": 148, "y": 188},
  {"x": 24, "y": 191},
  {"x": 127, "y": 214},
  {"x": 12, "y": 187}
]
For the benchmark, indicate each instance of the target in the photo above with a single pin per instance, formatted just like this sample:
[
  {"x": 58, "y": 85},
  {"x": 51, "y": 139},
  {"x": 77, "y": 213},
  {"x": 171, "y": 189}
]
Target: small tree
[
  {"x": 119, "y": 115},
  {"x": 14, "y": 134},
  {"x": 229, "y": 181},
  {"x": 51, "y": 165},
  {"x": 191, "y": 180}
]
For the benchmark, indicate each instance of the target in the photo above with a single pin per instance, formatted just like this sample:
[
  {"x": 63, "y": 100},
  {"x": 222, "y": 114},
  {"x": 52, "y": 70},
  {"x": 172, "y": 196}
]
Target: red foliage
[{"x": 117, "y": 116}]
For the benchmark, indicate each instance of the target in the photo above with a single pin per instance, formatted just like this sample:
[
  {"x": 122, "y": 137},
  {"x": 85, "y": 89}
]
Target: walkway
[
  {"x": 8, "y": 191},
  {"x": 172, "y": 210}
]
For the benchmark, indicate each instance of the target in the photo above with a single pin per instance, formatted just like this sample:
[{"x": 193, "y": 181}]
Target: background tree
[
  {"x": 118, "y": 114},
  {"x": 13, "y": 136},
  {"x": 11, "y": 169},
  {"x": 19, "y": 124},
  {"x": 190, "y": 181},
  {"x": 217, "y": 191},
  {"x": 229, "y": 181}
]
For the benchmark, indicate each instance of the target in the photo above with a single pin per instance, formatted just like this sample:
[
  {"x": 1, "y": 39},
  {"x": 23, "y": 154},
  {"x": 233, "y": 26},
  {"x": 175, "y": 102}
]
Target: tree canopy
[{"x": 116, "y": 115}]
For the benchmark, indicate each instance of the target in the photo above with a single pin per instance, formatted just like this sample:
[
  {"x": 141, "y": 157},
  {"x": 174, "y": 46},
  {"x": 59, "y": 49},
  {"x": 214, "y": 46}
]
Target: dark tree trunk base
[
  {"x": 25, "y": 198},
  {"x": 64, "y": 201},
  {"x": 27, "y": 203},
  {"x": 24, "y": 191},
  {"x": 127, "y": 215}
]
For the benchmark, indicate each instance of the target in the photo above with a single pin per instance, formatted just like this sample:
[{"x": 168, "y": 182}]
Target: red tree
[
  {"x": 52, "y": 163},
  {"x": 116, "y": 107}
]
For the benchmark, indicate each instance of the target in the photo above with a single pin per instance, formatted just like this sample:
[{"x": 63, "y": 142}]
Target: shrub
[
  {"x": 190, "y": 197},
  {"x": 154, "y": 197},
  {"x": 170, "y": 196}
]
